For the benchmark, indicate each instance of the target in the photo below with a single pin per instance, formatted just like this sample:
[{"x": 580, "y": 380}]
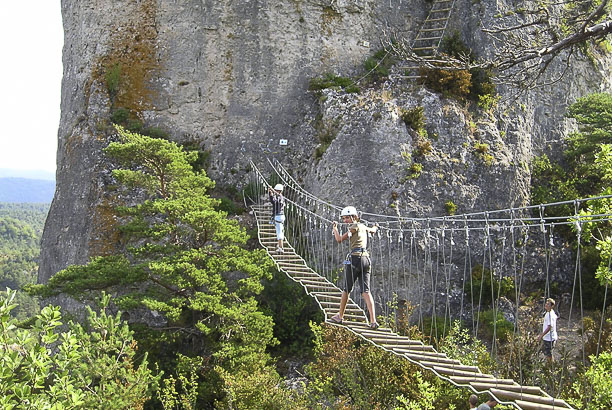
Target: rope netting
[{"x": 433, "y": 271}]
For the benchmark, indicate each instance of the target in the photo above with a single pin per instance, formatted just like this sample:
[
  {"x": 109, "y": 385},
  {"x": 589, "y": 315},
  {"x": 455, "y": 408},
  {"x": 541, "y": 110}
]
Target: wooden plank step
[
  {"x": 370, "y": 332},
  {"x": 526, "y": 405},
  {"x": 414, "y": 349},
  {"x": 421, "y": 358},
  {"x": 390, "y": 337},
  {"x": 301, "y": 276},
  {"x": 313, "y": 286},
  {"x": 516, "y": 388},
  {"x": 293, "y": 265},
  {"x": 433, "y": 28},
  {"x": 440, "y": 10},
  {"x": 394, "y": 342},
  {"x": 453, "y": 372},
  {"x": 426, "y": 355},
  {"x": 423, "y": 48},
  {"x": 283, "y": 257},
  {"x": 428, "y": 38},
  {"x": 352, "y": 317},
  {"x": 454, "y": 366},
  {"x": 303, "y": 273},
  {"x": 482, "y": 378},
  {"x": 355, "y": 326},
  {"x": 328, "y": 295},
  {"x": 506, "y": 394}
]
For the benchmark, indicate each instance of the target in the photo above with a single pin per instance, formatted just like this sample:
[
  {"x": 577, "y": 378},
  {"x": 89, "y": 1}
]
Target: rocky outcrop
[{"x": 232, "y": 77}]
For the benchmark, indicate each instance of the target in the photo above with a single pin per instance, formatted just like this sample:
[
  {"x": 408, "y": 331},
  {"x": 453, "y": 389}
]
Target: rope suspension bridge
[{"x": 428, "y": 264}]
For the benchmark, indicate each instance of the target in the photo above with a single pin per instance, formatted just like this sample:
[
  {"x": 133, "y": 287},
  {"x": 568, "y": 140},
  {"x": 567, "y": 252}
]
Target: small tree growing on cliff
[{"x": 183, "y": 259}]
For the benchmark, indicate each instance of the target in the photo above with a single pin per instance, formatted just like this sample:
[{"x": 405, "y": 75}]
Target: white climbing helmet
[
  {"x": 349, "y": 211},
  {"x": 278, "y": 187}
]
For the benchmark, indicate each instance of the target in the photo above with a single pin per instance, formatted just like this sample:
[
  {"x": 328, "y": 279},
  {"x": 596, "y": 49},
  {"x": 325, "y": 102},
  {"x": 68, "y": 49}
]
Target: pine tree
[{"x": 183, "y": 260}]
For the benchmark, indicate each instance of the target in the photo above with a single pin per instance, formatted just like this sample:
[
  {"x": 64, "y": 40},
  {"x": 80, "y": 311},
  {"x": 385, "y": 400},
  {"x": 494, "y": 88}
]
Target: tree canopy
[{"x": 184, "y": 263}]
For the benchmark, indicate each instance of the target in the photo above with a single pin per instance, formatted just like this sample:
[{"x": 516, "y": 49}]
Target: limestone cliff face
[{"x": 232, "y": 76}]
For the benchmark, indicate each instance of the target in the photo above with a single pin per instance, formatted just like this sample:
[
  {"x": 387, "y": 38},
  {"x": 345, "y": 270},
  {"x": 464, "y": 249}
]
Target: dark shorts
[
  {"x": 547, "y": 347},
  {"x": 358, "y": 271}
]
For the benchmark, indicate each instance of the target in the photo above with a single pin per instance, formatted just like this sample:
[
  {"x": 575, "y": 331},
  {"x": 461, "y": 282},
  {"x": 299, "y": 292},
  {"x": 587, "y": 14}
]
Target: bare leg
[
  {"x": 367, "y": 296},
  {"x": 343, "y": 302}
]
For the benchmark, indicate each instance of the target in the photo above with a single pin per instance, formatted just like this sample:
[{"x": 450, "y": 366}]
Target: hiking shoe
[
  {"x": 280, "y": 250},
  {"x": 374, "y": 325},
  {"x": 336, "y": 319}
]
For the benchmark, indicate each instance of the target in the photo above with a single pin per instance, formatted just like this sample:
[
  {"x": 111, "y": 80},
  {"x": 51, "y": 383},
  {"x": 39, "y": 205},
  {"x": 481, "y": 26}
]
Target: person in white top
[{"x": 549, "y": 329}]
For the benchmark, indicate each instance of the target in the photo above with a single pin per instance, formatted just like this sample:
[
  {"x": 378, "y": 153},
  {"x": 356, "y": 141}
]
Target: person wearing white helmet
[
  {"x": 357, "y": 263},
  {"x": 278, "y": 205}
]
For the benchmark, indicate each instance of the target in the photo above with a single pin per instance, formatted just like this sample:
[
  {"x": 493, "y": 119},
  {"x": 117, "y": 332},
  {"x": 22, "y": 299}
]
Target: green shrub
[
  {"x": 120, "y": 115},
  {"x": 593, "y": 390},
  {"x": 415, "y": 170},
  {"x": 423, "y": 147},
  {"x": 156, "y": 132},
  {"x": 414, "y": 118},
  {"x": 333, "y": 81},
  {"x": 378, "y": 65},
  {"x": 454, "y": 46},
  {"x": 354, "y": 374},
  {"x": 113, "y": 79},
  {"x": 83, "y": 366},
  {"x": 326, "y": 133},
  {"x": 486, "y": 290},
  {"x": 230, "y": 206},
  {"x": 502, "y": 328},
  {"x": 481, "y": 88},
  {"x": 451, "y": 208},
  {"x": 450, "y": 83}
]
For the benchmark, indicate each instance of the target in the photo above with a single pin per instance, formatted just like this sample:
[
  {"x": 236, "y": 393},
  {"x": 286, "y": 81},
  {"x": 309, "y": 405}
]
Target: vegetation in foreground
[{"x": 186, "y": 261}]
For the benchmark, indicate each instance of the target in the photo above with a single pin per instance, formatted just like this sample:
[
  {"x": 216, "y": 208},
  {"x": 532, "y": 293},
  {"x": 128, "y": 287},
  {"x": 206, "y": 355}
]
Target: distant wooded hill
[{"x": 24, "y": 190}]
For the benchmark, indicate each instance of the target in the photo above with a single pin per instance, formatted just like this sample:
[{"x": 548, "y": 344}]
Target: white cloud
[{"x": 31, "y": 48}]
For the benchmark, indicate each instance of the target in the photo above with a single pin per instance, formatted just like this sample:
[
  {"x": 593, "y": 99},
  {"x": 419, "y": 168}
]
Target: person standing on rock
[
  {"x": 357, "y": 264},
  {"x": 549, "y": 329},
  {"x": 278, "y": 204}
]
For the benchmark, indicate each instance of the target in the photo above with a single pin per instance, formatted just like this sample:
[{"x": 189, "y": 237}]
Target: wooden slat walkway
[{"x": 327, "y": 296}]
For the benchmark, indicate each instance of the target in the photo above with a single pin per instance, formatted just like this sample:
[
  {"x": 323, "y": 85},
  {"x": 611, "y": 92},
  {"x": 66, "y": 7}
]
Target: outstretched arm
[{"x": 337, "y": 235}]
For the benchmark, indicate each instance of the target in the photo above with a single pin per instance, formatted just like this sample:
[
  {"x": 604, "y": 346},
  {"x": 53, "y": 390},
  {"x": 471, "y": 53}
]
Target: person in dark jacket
[{"x": 278, "y": 205}]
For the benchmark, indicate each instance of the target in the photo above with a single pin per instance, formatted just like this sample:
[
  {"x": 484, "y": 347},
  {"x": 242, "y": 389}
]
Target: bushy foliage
[
  {"x": 292, "y": 310},
  {"x": 484, "y": 288},
  {"x": 461, "y": 345},
  {"x": 183, "y": 260},
  {"x": 21, "y": 227},
  {"x": 450, "y": 83},
  {"x": 414, "y": 118},
  {"x": 377, "y": 66},
  {"x": 598, "y": 332},
  {"x": 349, "y": 373},
  {"x": 475, "y": 84},
  {"x": 493, "y": 325},
  {"x": 82, "y": 367},
  {"x": 451, "y": 207},
  {"x": 333, "y": 81},
  {"x": 593, "y": 391},
  {"x": 127, "y": 119},
  {"x": 584, "y": 171}
]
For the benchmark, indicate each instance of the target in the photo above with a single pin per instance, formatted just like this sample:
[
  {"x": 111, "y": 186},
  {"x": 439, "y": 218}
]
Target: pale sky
[{"x": 31, "y": 40}]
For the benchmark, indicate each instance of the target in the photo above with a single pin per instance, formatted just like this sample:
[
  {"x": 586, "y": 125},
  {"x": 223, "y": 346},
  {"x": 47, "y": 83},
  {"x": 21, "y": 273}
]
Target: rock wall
[{"x": 232, "y": 77}]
